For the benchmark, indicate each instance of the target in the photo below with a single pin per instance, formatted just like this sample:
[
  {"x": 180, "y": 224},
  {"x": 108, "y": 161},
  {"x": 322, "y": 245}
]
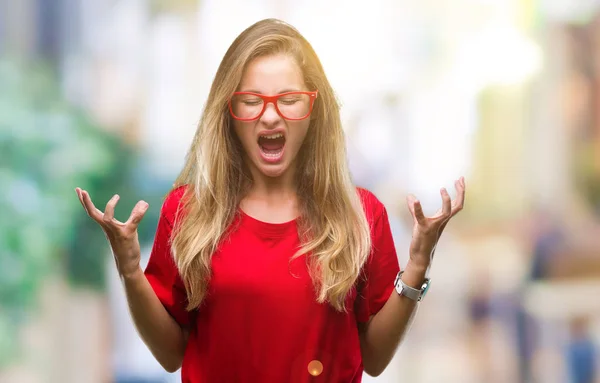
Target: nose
[{"x": 270, "y": 115}]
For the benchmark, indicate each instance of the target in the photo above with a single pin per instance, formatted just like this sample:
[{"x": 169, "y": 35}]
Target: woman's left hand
[{"x": 427, "y": 230}]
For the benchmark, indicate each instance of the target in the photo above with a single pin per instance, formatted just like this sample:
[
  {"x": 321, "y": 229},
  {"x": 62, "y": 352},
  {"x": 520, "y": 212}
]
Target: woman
[{"x": 268, "y": 264}]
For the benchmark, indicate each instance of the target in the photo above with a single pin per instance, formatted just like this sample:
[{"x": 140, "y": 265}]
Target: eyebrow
[{"x": 282, "y": 91}]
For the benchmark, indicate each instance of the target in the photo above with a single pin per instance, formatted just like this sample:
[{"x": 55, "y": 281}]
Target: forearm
[
  {"x": 385, "y": 330},
  {"x": 160, "y": 332}
]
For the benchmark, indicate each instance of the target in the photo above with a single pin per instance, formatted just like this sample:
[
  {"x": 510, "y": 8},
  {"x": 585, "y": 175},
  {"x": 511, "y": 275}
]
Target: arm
[
  {"x": 382, "y": 334},
  {"x": 390, "y": 314},
  {"x": 165, "y": 338},
  {"x": 156, "y": 297}
]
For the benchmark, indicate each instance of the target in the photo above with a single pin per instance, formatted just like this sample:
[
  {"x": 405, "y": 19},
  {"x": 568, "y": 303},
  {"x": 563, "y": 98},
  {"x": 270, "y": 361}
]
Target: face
[{"x": 271, "y": 143}]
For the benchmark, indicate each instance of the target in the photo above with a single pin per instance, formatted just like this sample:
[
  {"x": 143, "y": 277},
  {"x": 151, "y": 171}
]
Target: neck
[
  {"x": 273, "y": 188},
  {"x": 272, "y": 199}
]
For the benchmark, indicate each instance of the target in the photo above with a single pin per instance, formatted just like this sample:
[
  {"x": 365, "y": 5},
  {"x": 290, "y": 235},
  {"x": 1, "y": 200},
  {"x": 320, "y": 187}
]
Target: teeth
[
  {"x": 273, "y": 136},
  {"x": 272, "y": 155}
]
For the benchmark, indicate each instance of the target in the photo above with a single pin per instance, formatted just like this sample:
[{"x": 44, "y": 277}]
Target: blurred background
[{"x": 106, "y": 94}]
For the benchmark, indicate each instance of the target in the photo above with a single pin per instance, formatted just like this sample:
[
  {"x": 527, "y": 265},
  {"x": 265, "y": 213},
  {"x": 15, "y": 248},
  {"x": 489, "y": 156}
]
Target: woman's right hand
[{"x": 123, "y": 237}]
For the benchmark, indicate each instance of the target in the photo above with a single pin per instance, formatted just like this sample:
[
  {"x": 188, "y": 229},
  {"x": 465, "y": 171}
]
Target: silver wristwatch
[{"x": 409, "y": 292}]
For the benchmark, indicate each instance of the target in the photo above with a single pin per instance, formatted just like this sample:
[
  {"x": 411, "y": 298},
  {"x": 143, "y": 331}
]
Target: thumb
[
  {"x": 410, "y": 201},
  {"x": 138, "y": 213},
  {"x": 414, "y": 207}
]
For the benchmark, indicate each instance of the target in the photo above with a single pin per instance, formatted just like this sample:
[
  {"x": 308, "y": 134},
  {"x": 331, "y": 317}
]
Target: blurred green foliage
[{"x": 47, "y": 148}]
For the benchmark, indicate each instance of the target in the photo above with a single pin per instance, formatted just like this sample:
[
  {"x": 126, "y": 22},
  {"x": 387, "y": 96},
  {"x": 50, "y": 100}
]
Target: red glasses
[{"x": 248, "y": 106}]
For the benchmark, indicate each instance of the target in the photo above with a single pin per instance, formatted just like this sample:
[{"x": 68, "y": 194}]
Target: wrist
[
  {"x": 131, "y": 275},
  {"x": 419, "y": 260},
  {"x": 414, "y": 274}
]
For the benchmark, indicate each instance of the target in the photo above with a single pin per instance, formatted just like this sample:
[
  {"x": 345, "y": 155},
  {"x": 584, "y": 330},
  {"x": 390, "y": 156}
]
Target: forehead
[{"x": 272, "y": 74}]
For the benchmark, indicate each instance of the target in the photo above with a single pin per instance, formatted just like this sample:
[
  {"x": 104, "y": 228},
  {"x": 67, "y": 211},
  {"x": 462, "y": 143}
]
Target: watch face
[{"x": 425, "y": 288}]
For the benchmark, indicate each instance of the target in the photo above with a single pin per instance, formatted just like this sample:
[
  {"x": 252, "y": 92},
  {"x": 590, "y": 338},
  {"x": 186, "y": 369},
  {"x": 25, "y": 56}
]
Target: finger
[
  {"x": 459, "y": 201},
  {"x": 109, "y": 211},
  {"x": 80, "y": 198},
  {"x": 92, "y": 211},
  {"x": 137, "y": 213},
  {"x": 446, "y": 204},
  {"x": 410, "y": 201},
  {"x": 419, "y": 216}
]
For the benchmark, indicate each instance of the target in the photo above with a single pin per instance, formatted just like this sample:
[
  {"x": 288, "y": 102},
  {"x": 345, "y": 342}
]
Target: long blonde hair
[{"x": 333, "y": 228}]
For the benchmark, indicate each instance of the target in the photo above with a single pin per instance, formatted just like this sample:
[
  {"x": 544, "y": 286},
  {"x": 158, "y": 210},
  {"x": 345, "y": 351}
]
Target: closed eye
[
  {"x": 252, "y": 102},
  {"x": 289, "y": 100}
]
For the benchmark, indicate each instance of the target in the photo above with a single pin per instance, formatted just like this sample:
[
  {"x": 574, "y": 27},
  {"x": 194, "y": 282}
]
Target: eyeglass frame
[{"x": 273, "y": 100}]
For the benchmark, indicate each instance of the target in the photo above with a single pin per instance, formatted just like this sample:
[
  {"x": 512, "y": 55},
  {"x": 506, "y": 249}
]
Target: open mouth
[{"x": 272, "y": 145}]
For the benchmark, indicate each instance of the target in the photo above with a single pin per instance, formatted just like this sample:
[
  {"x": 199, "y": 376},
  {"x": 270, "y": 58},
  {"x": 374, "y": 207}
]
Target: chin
[
  {"x": 270, "y": 168},
  {"x": 273, "y": 171}
]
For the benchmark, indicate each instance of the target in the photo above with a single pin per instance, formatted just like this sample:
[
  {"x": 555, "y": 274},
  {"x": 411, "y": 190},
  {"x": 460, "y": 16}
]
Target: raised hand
[
  {"x": 427, "y": 230},
  {"x": 122, "y": 236}
]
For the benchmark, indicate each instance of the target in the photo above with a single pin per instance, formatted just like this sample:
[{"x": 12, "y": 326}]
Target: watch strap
[{"x": 408, "y": 291}]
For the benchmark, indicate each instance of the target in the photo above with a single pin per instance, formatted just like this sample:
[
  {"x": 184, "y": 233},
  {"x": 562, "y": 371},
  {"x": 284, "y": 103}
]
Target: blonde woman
[{"x": 268, "y": 264}]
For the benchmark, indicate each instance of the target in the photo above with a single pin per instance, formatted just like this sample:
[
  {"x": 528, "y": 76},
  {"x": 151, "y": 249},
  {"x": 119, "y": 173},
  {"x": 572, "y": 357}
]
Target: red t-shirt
[{"x": 260, "y": 321}]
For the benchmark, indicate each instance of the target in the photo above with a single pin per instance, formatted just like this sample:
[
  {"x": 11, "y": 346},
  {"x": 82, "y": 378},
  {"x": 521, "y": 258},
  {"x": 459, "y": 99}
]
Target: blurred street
[{"x": 106, "y": 95}]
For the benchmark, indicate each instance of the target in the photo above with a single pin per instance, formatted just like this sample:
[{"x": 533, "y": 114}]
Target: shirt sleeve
[
  {"x": 161, "y": 270},
  {"x": 379, "y": 271}
]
